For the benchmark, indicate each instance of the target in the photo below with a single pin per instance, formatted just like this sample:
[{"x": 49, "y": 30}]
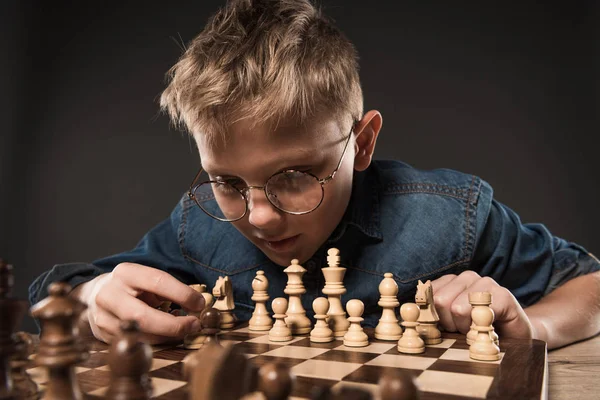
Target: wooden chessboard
[{"x": 444, "y": 371}]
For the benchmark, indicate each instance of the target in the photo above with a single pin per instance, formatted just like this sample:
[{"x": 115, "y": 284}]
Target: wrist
[{"x": 540, "y": 330}]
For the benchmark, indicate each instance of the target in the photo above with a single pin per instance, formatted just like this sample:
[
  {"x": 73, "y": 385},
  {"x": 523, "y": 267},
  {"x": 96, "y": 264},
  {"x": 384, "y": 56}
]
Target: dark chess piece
[
  {"x": 12, "y": 312},
  {"x": 24, "y": 385},
  {"x": 398, "y": 385},
  {"x": 60, "y": 349},
  {"x": 210, "y": 320},
  {"x": 275, "y": 381},
  {"x": 129, "y": 360}
]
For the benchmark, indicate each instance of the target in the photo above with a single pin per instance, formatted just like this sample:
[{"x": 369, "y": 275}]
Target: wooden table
[{"x": 574, "y": 371}]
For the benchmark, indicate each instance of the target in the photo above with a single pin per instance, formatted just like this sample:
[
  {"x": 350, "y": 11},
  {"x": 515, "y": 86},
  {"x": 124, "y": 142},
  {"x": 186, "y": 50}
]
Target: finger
[
  {"x": 160, "y": 283},
  {"x": 442, "y": 281},
  {"x": 150, "y": 320},
  {"x": 444, "y": 297}
]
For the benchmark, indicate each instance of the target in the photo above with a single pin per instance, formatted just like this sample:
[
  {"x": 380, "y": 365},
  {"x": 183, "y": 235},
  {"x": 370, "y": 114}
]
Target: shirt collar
[{"x": 363, "y": 209}]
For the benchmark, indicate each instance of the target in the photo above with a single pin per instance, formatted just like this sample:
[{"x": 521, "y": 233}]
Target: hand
[
  {"x": 451, "y": 298},
  {"x": 132, "y": 292}
]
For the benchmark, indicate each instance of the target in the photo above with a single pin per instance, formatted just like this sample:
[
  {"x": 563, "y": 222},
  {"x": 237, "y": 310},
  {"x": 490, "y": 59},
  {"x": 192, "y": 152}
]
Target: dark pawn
[
  {"x": 129, "y": 360},
  {"x": 11, "y": 313},
  {"x": 24, "y": 385},
  {"x": 210, "y": 320},
  {"x": 398, "y": 385},
  {"x": 60, "y": 349},
  {"x": 275, "y": 381}
]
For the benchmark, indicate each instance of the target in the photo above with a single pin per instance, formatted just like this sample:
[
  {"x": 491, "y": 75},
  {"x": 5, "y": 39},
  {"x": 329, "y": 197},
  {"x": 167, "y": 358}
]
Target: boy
[{"x": 271, "y": 94}]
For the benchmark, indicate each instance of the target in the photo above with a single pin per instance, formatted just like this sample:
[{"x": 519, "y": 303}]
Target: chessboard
[{"x": 443, "y": 371}]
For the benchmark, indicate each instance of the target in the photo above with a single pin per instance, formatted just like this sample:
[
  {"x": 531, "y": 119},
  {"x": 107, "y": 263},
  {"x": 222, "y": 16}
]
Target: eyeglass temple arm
[
  {"x": 332, "y": 175},
  {"x": 190, "y": 194}
]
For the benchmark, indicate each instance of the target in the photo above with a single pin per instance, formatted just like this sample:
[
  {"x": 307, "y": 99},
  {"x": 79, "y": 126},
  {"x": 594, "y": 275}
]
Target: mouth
[{"x": 283, "y": 245}]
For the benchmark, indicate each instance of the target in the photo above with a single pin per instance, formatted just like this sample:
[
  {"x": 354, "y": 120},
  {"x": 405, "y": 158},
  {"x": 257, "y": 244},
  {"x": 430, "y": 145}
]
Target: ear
[{"x": 366, "y": 130}]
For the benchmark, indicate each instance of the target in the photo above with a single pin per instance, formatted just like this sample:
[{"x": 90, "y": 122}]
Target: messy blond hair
[{"x": 266, "y": 61}]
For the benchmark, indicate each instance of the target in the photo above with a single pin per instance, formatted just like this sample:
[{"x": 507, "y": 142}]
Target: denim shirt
[{"x": 416, "y": 224}]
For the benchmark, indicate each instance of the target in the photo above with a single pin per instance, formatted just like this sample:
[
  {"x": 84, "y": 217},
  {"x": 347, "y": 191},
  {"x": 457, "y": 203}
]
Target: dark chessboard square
[
  {"x": 93, "y": 379},
  {"x": 241, "y": 336},
  {"x": 256, "y": 348},
  {"x": 95, "y": 360},
  {"x": 289, "y": 362},
  {"x": 460, "y": 344},
  {"x": 174, "y": 353},
  {"x": 305, "y": 387},
  {"x": 346, "y": 356},
  {"x": 433, "y": 352},
  {"x": 307, "y": 343},
  {"x": 474, "y": 368},
  {"x": 173, "y": 372},
  {"x": 177, "y": 394},
  {"x": 372, "y": 373}
]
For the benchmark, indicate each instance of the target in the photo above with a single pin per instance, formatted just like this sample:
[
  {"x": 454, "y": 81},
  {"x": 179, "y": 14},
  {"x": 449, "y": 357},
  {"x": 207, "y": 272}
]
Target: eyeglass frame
[{"x": 194, "y": 185}]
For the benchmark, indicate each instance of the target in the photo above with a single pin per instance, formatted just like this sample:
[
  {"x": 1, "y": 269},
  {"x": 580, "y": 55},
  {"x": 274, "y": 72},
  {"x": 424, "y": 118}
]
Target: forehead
[{"x": 249, "y": 145}]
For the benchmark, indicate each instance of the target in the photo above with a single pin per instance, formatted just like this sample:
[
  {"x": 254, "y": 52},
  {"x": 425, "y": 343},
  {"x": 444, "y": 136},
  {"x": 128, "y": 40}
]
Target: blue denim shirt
[{"x": 416, "y": 224}]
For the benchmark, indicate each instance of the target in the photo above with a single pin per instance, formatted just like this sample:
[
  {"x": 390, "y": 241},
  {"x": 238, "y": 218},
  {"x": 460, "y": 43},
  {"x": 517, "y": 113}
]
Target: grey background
[{"x": 87, "y": 166}]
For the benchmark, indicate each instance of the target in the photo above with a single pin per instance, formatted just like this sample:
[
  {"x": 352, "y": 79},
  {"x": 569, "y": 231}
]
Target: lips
[{"x": 281, "y": 245}]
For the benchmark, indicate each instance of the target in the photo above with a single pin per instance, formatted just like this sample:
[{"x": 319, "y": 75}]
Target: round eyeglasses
[{"x": 290, "y": 191}]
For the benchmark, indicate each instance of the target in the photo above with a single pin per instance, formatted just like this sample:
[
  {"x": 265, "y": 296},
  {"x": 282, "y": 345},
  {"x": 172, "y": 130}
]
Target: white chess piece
[
  {"x": 261, "y": 320},
  {"x": 195, "y": 340},
  {"x": 223, "y": 292},
  {"x": 483, "y": 348},
  {"x": 476, "y": 299},
  {"x": 334, "y": 288},
  {"x": 321, "y": 333},
  {"x": 388, "y": 328},
  {"x": 280, "y": 331},
  {"x": 410, "y": 342},
  {"x": 428, "y": 316},
  {"x": 296, "y": 318},
  {"x": 355, "y": 337}
]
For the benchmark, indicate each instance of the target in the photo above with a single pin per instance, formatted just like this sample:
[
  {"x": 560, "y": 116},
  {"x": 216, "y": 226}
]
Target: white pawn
[
  {"x": 410, "y": 342},
  {"x": 483, "y": 348},
  {"x": 280, "y": 331},
  {"x": 261, "y": 320},
  {"x": 321, "y": 333},
  {"x": 355, "y": 337},
  {"x": 388, "y": 328}
]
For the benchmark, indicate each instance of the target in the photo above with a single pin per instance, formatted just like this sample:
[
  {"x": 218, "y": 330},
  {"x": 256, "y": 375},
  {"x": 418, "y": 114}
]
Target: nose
[{"x": 261, "y": 213}]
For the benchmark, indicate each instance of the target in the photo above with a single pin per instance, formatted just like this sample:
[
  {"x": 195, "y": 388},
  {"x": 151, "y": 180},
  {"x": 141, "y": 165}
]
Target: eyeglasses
[{"x": 291, "y": 191}]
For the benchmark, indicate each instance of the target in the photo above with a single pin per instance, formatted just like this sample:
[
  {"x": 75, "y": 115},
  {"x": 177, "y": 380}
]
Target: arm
[{"x": 569, "y": 313}]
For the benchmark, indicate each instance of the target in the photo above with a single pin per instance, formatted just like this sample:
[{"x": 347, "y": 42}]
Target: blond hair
[{"x": 265, "y": 61}]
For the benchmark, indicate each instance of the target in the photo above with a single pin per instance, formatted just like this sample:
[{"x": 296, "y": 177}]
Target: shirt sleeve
[
  {"x": 158, "y": 248},
  {"x": 525, "y": 258}
]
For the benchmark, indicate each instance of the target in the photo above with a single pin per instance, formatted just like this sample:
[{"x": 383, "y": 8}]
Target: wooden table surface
[{"x": 574, "y": 371}]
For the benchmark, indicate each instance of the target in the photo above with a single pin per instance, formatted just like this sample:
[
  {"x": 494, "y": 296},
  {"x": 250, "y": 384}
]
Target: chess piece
[
  {"x": 477, "y": 300},
  {"x": 355, "y": 337},
  {"x": 208, "y": 299},
  {"x": 396, "y": 384},
  {"x": 275, "y": 381},
  {"x": 428, "y": 316},
  {"x": 210, "y": 322},
  {"x": 321, "y": 333},
  {"x": 410, "y": 342},
  {"x": 296, "y": 318},
  {"x": 388, "y": 328},
  {"x": 483, "y": 348},
  {"x": 129, "y": 360},
  {"x": 24, "y": 386},
  {"x": 280, "y": 331},
  {"x": 223, "y": 292},
  {"x": 261, "y": 320},
  {"x": 59, "y": 349},
  {"x": 334, "y": 289},
  {"x": 12, "y": 311}
]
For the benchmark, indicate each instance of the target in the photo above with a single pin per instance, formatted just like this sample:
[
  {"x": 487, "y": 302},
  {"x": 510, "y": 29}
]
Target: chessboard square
[
  {"x": 370, "y": 374},
  {"x": 296, "y": 352},
  {"x": 92, "y": 379},
  {"x": 446, "y": 344},
  {"x": 265, "y": 339},
  {"x": 346, "y": 356},
  {"x": 376, "y": 348},
  {"x": 95, "y": 360},
  {"x": 466, "y": 385},
  {"x": 261, "y": 360},
  {"x": 248, "y": 331},
  {"x": 256, "y": 348},
  {"x": 161, "y": 386},
  {"x": 474, "y": 368},
  {"x": 172, "y": 372},
  {"x": 157, "y": 363},
  {"x": 367, "y": 387},
  {"x": 329, "y": 345},
  {"x": 229, "y": 342},
  {"x": 325, "y": 369},
  {"x": 402, "y": 361},
  {"x": 463, "y": 355},
  {"x": 432, "y": 352},
  {"x": 174, "y": 353},
  {"x": 304, "y": 387}
]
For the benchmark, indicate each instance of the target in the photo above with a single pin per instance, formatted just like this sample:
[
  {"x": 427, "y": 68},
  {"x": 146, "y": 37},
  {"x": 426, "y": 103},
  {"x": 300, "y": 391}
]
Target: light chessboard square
[
  {"x": 446, "y": 344},
  {"x": 463, "y": 355},
  {"x": 333, "y": 370},
  {"x": 376, "y": 348},
  {"x": 453, "y": 383},
  {"x": 402, "y": 361},
  {"x": 160, "y": 386},
  {"x": 157, "y": 363},
  {"x": 296, "y": 352},
  {"x": 265, "y": 340}
]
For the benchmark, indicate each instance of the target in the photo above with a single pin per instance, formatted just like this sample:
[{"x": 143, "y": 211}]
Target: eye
[{"x": 231, "y": 180}]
